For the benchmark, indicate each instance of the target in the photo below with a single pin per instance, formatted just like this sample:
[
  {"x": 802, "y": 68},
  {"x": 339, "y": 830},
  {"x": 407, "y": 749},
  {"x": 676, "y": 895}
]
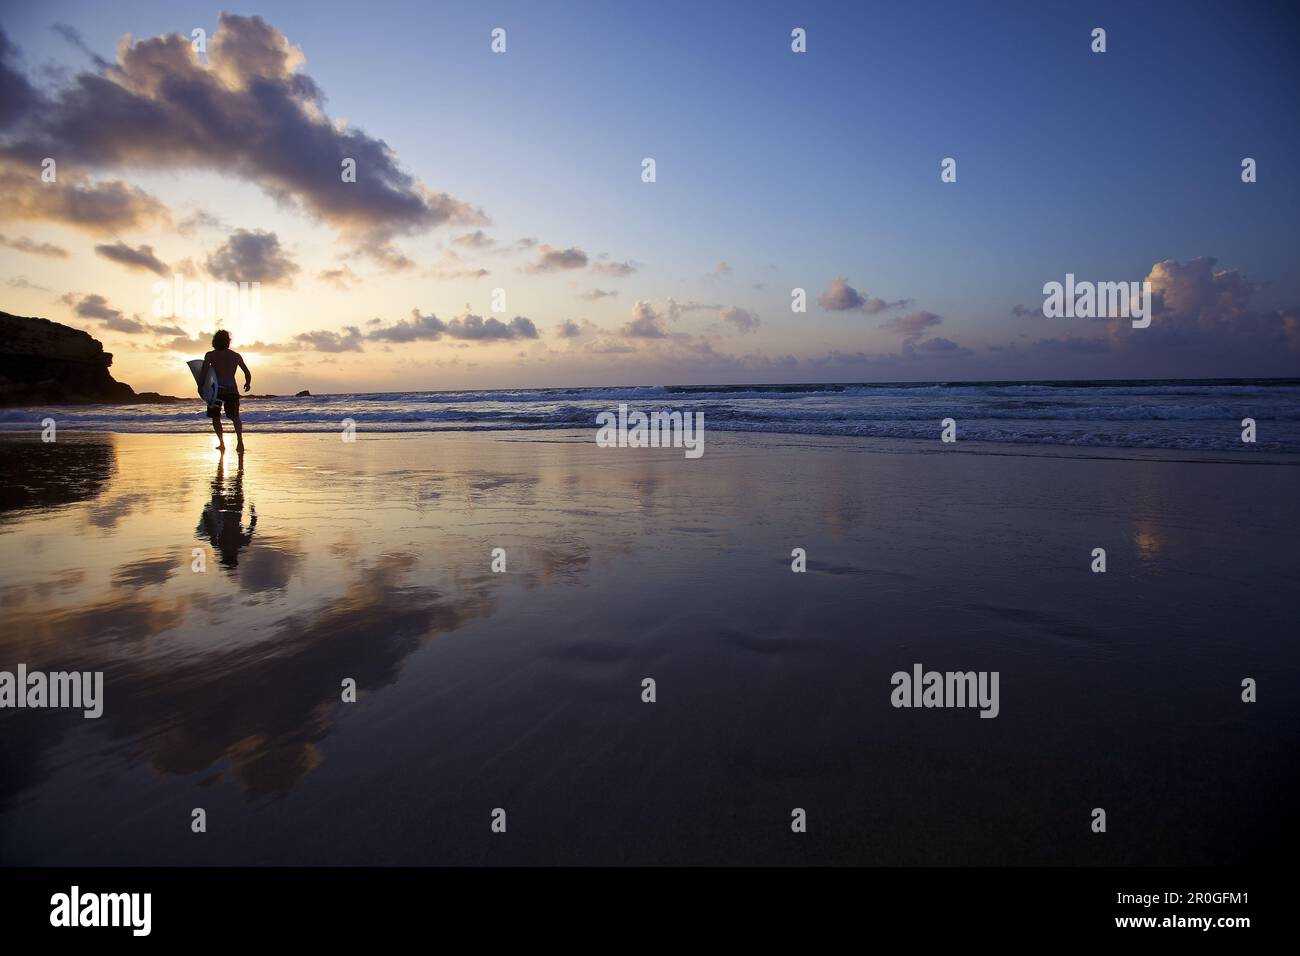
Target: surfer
[{"x": 223, "y": 361}]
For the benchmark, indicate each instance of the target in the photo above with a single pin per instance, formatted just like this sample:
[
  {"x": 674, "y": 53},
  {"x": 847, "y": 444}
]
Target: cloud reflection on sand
[
  {"x": 222, "y": 688},
  {"x": 237, "y": 671}
]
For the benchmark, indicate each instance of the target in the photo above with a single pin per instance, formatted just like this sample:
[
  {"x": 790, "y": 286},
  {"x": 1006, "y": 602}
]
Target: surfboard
[{"x": 207, "y": 387}]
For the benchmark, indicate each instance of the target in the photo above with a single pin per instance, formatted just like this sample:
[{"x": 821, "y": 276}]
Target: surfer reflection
[{"x": 222, "y": 521}]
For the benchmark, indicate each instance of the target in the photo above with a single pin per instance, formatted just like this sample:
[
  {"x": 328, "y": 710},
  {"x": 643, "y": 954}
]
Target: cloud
[
  {"x": 96, "y": 307},
  {"x": 23, "y": 244},
  {"x": 73, "y": 37},
  {"x": 723, "y": 269},
  {"x": 842, "y": 297},
  {"x": 141, "y": 258},
  {"x": 1071, "y": 345},
  {"x": 477, "y": 329},
  {"x": 416, "y": 329},
  {"x": 914, "y": 324},
  {"x": 1200, "y": 310},
  {"x": 645, "y": 323},
  {"x": 17, "y": 96},
  {"x": 466, "y": 327},
  {"x": 131, "y": 326},
  {"x": 200, "y": 219},
  {"x": 459, "y": 273},
  {"x": 22, "y": 282},
  {"x": 595, "y": 295},
  {"x": 1198, "y": 292},
  {"x": 568, "y": 329},
  {"x": 551, "y": 259},
  {"x": 927, "y": 353},
  {"x": 191, "y": 344},
  {"x": 252, "y": 115},
  {"x": 474, "y": 240},
  {"x": 742, "y": 319},
  {"x": 605, "y": 347},
  {"x": 252, "y": 257},
  {"x": 837, "y": 359},
  {"x": 73, "y": 200},
  {"x": 617, "y": 270},
  {"x": 677, "y": 309},
  {"x": 320, "y": 340},
  {"x": 389, "y": 257},
  {"x": 937, "y": 345},
  {"x": 1203, "y": 323},
  {"x": 349, "y": 340},
  {"x": 341, "y": 278},
  {"x": 90, "y": 306},
  {"x": 1024, "y": 311}
]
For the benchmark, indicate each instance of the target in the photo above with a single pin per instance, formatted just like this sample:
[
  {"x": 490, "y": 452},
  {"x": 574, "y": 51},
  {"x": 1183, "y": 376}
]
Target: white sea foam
[{"x": 1173, "y": 415}]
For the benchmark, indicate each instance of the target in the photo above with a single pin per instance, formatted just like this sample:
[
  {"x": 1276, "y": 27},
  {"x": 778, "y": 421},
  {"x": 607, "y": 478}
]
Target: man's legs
[
  {"x": 239, "y": 431},
  {"x": 216, "y": 427}
]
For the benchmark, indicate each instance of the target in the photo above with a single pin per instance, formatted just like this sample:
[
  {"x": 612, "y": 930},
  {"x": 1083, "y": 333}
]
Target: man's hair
[{"x": 221, "y": 339}]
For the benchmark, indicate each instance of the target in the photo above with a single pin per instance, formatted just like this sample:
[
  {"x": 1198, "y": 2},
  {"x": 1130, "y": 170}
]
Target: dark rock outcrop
[
  {"x": 303, "y": 394},
  {"x": 156, "y": 398},
  {"x": 43, "y": 362}
]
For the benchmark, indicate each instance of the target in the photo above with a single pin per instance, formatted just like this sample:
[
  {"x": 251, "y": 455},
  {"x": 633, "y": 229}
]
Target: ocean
[{"x": 1202, "y": 415}]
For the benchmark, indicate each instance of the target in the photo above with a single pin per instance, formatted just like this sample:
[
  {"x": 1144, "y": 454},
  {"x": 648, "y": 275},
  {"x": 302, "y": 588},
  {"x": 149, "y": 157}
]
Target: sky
[{"x": 499, "y": 232}]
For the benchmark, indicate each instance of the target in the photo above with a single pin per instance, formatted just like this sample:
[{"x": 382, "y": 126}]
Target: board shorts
[{"x": 227, "y": 395}]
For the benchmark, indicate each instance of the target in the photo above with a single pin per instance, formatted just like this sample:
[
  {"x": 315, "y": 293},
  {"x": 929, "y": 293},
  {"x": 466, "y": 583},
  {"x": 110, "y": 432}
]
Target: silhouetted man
[{"x": 223, "y": 361}]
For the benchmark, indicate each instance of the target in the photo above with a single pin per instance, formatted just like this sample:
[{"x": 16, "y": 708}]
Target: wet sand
[{"x": 522, "y": 690}]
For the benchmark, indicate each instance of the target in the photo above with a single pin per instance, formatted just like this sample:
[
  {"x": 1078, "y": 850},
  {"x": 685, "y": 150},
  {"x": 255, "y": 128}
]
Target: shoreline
[
  {"x": 793, "y": 388},
  {"x": 726, "y": 438}
]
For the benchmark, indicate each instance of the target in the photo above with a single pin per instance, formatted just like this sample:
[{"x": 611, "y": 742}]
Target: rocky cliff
[{"x": 45, "y": 362}]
